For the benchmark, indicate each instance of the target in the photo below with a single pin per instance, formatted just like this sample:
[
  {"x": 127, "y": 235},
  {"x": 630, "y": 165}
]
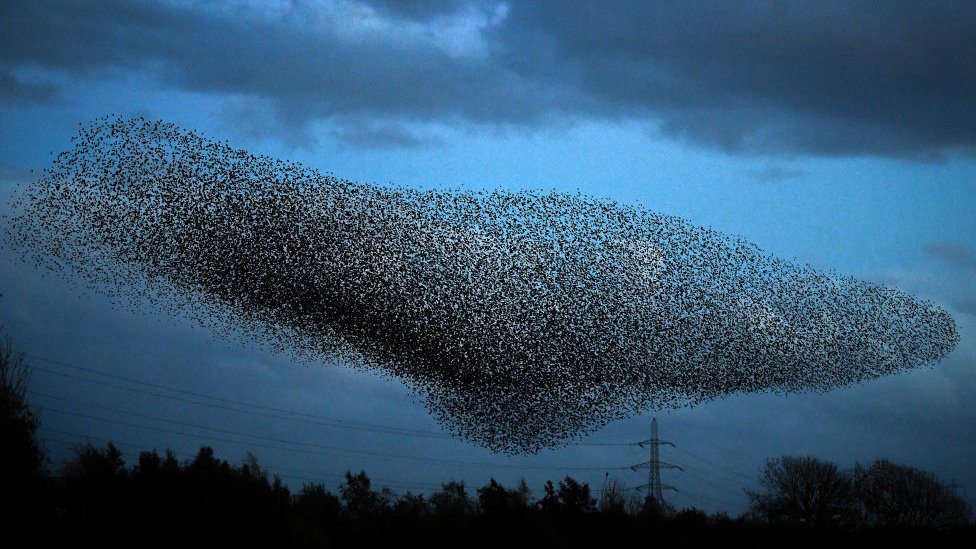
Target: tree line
[{"x": 96, "y": 496}]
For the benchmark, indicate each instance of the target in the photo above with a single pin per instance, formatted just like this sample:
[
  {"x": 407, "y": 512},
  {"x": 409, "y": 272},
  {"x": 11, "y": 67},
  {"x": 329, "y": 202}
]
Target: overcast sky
[{"x": 836, "y": 134}]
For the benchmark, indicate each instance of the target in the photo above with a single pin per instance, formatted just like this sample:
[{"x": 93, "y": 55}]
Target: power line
[
  {"x": 637, "y": 444},
  {"x": 290, "y": 442},
  {"x": 700, "y": 498},
  {"x": 314, "y": 478},
  {"x": 725, "y": 483},
  {"x": 346, "y": 423},
  {"x": 716, "y": 485},
  {"x": 328, "y": 422},
  {"x": 193, "y": 397},
  {"x": 292, "y": 473},
  {"x": 302, "y": 474},
  {"x": 654, "y": 485},
  {"x": 248, "y": 408},
  {"x": 727, "y": 470}
]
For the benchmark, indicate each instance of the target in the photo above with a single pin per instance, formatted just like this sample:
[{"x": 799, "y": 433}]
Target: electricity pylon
[{"x": 654, "y": 466}]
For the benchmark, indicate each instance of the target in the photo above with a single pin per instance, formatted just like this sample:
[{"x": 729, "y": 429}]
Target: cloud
[
  {"x": 421, "y": 9},
  {"x": 14, "y": 173},
  {"x": 380, "y": 135},
  {"x": 957, "y": 283},
  {"x": 851, "y": 78},
  {"x": 15, "y": 91},
  {"x": 855, "y": 78},
  {"x": 959, "y": 256},
  {"x": 775, "y": 174},
  {"x": 308, "y": 65}
]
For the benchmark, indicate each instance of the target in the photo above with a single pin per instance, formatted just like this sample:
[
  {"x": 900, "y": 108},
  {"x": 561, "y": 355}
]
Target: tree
[
  {"x": 154, "y": 468},
  {"x": 452, "y": 501},
  {"x": 21, "y": 459},
  {"x": 97, "y": 465},
  {"x": 95, "y": 487},
  {"x": 650, "y": 508},
  {"x": 613, "y": 499},
  {"x": 571, "y": 498},
  {"x": 157, "y": 490},
  {"x": 251, "y": 468},
  {"x": 206, "y": 467},
  {"x": 897, "y": 496},
  {"x": 493, "y": 498},
  {"x": 411, "y": 507},
  {"x": 497, "y": 500},
  {"x": 359, "y": 500},
  {"x": 523, "y": 494},
  {"x": 317, "y": 505},
  {"x": 803, "y": 491},
  {"x": 690, "y": 519},
  {"x": 550, "y": 501}
]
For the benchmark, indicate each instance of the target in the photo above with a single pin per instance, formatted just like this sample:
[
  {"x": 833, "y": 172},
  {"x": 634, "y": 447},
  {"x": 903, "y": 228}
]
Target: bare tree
[
  {"x": 804, "y": 491},
  {"x": 21, "y": 459},
  {"x": 613, "y": 499},
  {"x": 898, "y": 496}
]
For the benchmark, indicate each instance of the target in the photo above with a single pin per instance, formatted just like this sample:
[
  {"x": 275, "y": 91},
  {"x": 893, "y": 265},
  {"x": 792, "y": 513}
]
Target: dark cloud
[
  {"x": 966, "y": 304},
  {"x": 14, "y": 173},
  {"x": 422, "y": 9},
  {"x": 894, "y": 79},
  {"x": 16, "y": 91},
  {"x": 378, "y": 135},
  {"x": 775, "y": 174},
  {"x": 303, "y": 67},
  {"x": 957, "y": 284},
  {"x": 959, "y": 256},
  {"x": 844, "y": 78}
]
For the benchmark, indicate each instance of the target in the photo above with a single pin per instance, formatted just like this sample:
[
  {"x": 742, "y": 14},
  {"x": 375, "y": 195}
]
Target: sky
[{"x": 835, "y": 134}]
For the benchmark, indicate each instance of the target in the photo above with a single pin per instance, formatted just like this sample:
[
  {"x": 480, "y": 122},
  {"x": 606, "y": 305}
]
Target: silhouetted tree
[
  {"x": 493, "y": 498},
  {"x": 452, "y": 501},
  {"x": 222, "y": 502},
  {"x": 550, "y": 500},
  {"x": 496, "y": 500},
  {"x": 21, "y": 459},
  {"x": 613, "y": 499},
  {"x": 94, "y": 464},
  {"x": 152, "y": 467},
  {"x": 571, "y": 498},
  {"x": 157, "y": 490},
  {"x": 206, "y": 465},
  {"x": 654, "y": 510},
  {"x": 317, "y": 505},
  {"x": 95, "y": 485},
  {"x": 251, "y": 468},
  {"x": 523, "y": 494},
  {"x": 897, "y": 496},
  {"x": 411, "y": 507},
  {"x": 360, "y": 501},
  {"x": 804, "y": 491},
  {"x": 690, "y": 519}
]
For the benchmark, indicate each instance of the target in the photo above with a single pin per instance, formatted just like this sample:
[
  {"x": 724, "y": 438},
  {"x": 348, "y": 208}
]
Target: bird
[{"x": 524, "y": 319}]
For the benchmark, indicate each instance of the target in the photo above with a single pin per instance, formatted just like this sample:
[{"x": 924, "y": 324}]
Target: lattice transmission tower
[{"x": 654, "y": 466}]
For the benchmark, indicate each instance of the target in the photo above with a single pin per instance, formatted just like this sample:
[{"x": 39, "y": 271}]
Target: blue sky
[{"x": 839, "y": 135}]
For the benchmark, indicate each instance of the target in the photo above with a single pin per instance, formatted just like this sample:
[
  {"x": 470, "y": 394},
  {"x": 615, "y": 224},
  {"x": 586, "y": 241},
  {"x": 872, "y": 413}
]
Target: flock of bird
[{"x": 524, "y": 319}]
